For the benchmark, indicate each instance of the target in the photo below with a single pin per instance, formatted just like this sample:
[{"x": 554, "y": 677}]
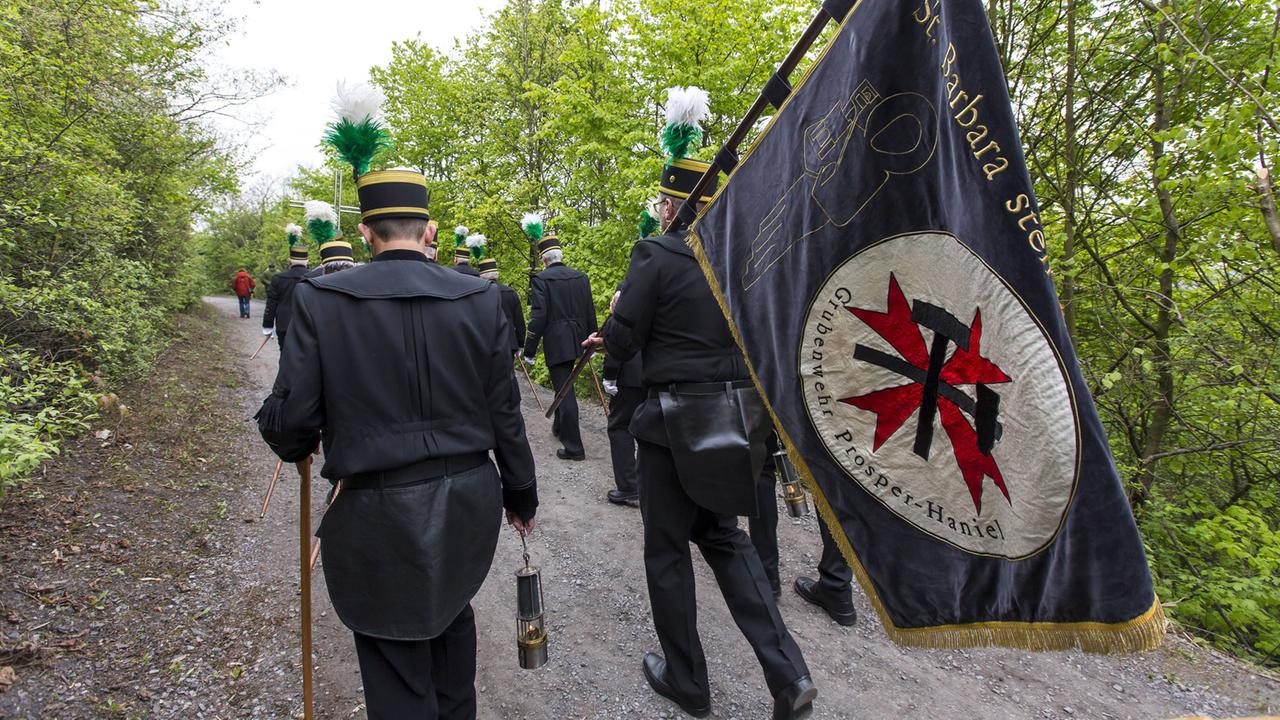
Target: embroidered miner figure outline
[
  {"x": 851, "y": 154},
  {"x": 934, "y": 387}
]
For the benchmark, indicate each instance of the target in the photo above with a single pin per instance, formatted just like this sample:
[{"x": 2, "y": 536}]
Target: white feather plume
[
  {"x": 687, "y": 105},
  {"x": 461, "y": 230},
  {"x": 533, "y": 218},
  {"x": 358, "y": 102},
  {"x": 293, "y": 230},
  {"x": 477, "y": 240},
  {"x": 319, "y": 210}
]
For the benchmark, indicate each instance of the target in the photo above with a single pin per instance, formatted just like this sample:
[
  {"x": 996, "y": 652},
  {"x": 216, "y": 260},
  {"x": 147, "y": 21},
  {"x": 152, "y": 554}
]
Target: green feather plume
[
  {"x": 322, "y": 221},
  {"x": 478, "y": 245},
  {"x": 321, "y": 231},
  {"x": 358, "y": 134},
  {"x": 533, "y": 226},
  {"x": 677, "y": 139},
  {"x": 687, "y": 108},
  {"x": 649, "y": 224},
  {"x": 358, "y": 142}
]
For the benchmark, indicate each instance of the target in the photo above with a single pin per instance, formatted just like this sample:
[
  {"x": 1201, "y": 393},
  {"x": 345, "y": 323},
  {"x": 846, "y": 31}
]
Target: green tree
[{"x": 104, "y": 162}]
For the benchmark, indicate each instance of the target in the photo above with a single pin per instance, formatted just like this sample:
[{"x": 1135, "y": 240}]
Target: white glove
[
  {"x": 269, "y": 331},
  {"x": 529, "y": 361},
  {"x": 610, "y": 387}
]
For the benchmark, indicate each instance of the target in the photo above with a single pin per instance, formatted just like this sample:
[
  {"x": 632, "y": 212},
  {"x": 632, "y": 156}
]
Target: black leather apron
[
  {"x": 716, "y": 433},
  {"x": 401, "y": 562}
]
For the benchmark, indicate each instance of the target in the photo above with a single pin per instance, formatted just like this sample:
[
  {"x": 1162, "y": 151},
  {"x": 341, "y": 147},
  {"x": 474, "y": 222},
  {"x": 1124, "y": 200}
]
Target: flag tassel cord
[{"x": 1144, "y": 632}]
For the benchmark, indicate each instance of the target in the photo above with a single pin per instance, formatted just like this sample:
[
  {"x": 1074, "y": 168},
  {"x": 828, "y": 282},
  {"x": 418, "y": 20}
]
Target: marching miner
[
  {"x": 410, "y": 539},
  {"x": 701, "y": 434}
]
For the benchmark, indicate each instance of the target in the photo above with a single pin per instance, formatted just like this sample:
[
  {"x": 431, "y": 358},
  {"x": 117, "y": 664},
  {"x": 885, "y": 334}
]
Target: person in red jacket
[{"x": 243, "y": 285}]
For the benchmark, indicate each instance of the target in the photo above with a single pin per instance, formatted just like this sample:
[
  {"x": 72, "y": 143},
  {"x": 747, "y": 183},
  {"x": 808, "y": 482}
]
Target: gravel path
[{"x": 600, "y": 627}]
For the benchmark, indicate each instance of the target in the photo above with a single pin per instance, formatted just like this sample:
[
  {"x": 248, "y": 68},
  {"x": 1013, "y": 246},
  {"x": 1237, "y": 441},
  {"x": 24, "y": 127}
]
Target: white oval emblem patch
[{"x": 937, "y": 391}]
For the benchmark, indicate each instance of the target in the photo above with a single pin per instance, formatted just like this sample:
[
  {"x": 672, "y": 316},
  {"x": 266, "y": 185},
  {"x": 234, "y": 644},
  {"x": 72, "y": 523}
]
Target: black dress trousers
[
  {"x": 671, "y": 521},
  {"x": 421, "y": 679},
  {"x": 764, "y": 526},
  {"x": 834, "y": 574},
  {"x": 565, "y": 423},
  {"x": 622, "y": 446}
]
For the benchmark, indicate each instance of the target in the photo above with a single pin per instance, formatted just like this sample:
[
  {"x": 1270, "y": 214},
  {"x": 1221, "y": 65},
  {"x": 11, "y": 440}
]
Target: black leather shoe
[
  {"x": 842, "y": 611},
  {"x": 655, "y": 671},
  {"x": 795, "y": 700},
  {"x": 619, "y": 498},
  {"x": 566, "y": 455}
]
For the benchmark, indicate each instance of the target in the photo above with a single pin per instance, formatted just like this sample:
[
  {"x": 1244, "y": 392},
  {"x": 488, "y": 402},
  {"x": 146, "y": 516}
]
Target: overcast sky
[{"x": 285, "y": 35}]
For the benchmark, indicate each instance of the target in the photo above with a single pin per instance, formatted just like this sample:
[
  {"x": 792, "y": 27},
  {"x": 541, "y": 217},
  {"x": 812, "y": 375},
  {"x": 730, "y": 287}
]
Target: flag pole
[
  {"x": 830, "y": 9},
  {"x": 304, "y": 549}
]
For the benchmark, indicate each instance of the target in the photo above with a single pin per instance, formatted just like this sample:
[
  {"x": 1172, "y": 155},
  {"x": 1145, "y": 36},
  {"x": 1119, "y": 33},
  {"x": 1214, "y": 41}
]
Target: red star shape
[{"x": 893, "y": 406}]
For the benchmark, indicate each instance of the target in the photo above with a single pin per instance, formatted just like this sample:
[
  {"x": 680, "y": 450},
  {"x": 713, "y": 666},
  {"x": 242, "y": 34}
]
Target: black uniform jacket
[
  {"x": 629, "y": 374},
  {"x": 625, "y": 374},
  {"x": 716, "y": 436},
  {"x": 403, "y": 559},
  {"x": 563, "y": 314},
  {"x": 467, "y": 270},
  {"x": 514, "y": 309},
  {"x": 279, "y": 310},
  {"x": 358, "y": 365}
]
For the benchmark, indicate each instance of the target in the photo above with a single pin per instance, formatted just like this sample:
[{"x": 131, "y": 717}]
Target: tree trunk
[
  {"x": 1162, "y": 411},
  {"x": 1069, "y": 192},
  {"x": 1267, "y": 201}
]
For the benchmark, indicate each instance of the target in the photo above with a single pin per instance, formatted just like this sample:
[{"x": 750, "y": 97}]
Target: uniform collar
[{"x": 400, "y": 255}]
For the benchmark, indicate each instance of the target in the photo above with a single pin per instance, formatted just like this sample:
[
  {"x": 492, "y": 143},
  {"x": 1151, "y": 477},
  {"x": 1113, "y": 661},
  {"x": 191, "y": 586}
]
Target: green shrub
[
  {"x": 41, "y": 403},
  {"x": 1221, "y": 569},
  {"x": 104, "y": 163}
]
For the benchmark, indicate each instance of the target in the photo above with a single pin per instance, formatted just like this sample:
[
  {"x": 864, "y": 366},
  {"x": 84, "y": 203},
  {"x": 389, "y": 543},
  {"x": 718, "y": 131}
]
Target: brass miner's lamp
[
  {"x": 792, "y": 489},
  {"x": 531, "y": 629}
]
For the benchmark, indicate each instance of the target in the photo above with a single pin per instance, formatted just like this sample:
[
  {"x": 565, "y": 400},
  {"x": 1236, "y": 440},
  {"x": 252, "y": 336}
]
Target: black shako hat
[
  {"x": 548, "y": 243},
  {"x": 336, "y": 250},
  {"x": 680, "y": 177},
  {"x": 388, "y": 194}
]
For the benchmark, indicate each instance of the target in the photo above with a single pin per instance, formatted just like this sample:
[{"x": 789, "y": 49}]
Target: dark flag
[{"x": 880, "y": 254}]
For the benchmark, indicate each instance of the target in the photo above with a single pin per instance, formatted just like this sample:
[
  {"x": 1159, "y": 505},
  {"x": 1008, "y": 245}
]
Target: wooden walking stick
[
  {"x": 254, "y": 356},
  {"x": 315, "y": 546},
  {"x": 275, "y": 478},
  {"x": 599, "y": 390},
  {"x": 563, "y": 390},
  {"x": 304, "y": 542},
  {"x": 532, "y": 388}
]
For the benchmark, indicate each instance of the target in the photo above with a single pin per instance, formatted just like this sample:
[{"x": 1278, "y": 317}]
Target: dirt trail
[{"x": 590, "y": 552}]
